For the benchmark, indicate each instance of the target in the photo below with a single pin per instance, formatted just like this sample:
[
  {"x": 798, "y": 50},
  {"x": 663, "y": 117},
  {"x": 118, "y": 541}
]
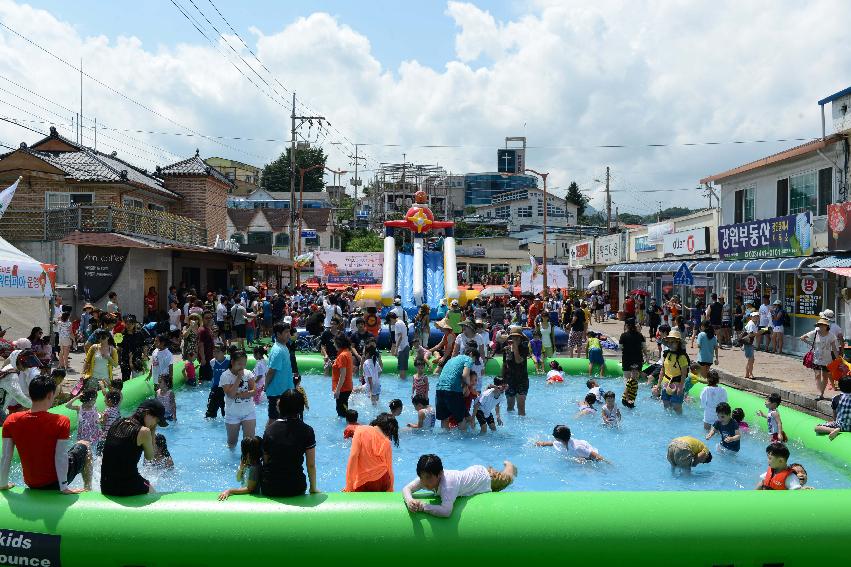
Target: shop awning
[
  {"x": 757, "y": 265},
  {"x": 650, "y": 267},
  {"x": 840, "y": 265}
]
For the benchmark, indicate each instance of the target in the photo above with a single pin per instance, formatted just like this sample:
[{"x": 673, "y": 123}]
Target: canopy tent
[{"x": 26, "y": 286}]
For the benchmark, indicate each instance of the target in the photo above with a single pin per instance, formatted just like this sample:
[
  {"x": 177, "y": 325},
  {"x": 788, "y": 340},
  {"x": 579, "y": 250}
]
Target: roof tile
[{"x": 194, "y": 166}]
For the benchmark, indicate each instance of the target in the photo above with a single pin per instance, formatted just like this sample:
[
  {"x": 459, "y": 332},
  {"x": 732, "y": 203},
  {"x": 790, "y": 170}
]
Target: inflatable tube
[
  {"x": 546, "y": 529},
  {"x": 313, "y": 363}
]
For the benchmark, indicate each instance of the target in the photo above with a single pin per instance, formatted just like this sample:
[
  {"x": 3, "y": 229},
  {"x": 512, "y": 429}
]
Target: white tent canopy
[{"x": 26, "y": 286}]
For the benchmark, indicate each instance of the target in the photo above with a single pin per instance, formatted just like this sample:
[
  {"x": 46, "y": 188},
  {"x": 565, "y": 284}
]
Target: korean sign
[
  {"x": 767, "y": 238},
  {"x": 581, "y": 254},
  {"x": 656, "y": 232},
  {"x": 643, "y": 245},
  {"x": 810, "y": 295},
  {"x": 687, "y": 242},
  {"x": 607, "y": 249}
]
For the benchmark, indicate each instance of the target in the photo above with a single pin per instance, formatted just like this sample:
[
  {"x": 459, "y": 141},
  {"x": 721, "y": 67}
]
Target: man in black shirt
[
  {"x": 277, "y": 308},
  {"x": 714, "y": 312},
  {"x": 326, "y": 343}
]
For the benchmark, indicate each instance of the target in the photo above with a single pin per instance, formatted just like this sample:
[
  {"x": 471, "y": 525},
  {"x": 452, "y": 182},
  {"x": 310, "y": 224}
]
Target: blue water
[{"x": 637, "y": 448}]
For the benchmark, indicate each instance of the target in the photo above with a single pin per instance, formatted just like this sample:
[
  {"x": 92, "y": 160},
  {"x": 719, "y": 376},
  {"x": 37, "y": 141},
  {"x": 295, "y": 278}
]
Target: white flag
[
  {"x": 534, "y": 264},
  {"x": 7, "y": 194}
]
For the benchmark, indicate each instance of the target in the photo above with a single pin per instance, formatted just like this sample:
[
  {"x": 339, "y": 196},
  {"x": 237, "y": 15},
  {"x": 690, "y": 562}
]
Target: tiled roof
[
  {"x": 118, "y": 240},
  {"x": 279, "y": 219},
  {"x": 194, "y": 166},
  {"x": 241, "y": 218},
  {"x": 801, "y": 150}
]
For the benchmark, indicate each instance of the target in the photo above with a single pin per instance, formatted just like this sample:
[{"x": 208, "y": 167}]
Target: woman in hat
[
  {"x": 125, "y": 442},
  {"x": 422, "y": 324},
  {"x": 443, "y": 349},
  {"x": 675, "y": 367},
  {"x": 514, "y": 369},
  {"x": 778, "y": 317},
  {"x": 835, "y": 329},
  {"x": 825, "y": 348}
]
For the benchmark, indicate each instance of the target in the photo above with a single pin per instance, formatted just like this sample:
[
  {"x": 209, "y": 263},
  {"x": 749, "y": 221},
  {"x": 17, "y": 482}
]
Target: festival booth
[{"x": 26, "y": 286}]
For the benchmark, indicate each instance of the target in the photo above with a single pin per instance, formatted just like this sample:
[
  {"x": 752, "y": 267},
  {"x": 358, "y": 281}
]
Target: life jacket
[
  {"x": 373, "y": 325},
  {"x": 776, "y": 481}
]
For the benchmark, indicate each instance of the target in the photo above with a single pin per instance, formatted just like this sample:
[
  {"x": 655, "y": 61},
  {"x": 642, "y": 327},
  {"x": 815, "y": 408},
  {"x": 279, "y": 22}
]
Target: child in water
[
  {"x": 396, "y": 407},
  {"x": 189, "y": 369},
  {"x": 587, "y": 406},
  {"x": 87, "y": 416},
  {"x": 248, "y": 473},
  {"x": 487, "y": 404},
  {"x": 260, "y": 370},
  {"x": 596, "y": 362},
  {"x": 425, "y": 413},
  {"x": 165, "y": 394},
  {"x": 372, "y": 372},
  {"x": 727, "y": 427},
  {"x": 351, "y": 424},
  {"x": 537, "y": 347},
  {"x": 775, "y": 424},
  {"x": 419, "y": 387},
  {"x": 556, "y": 373},
  {"x": 300, "y": 389},
  {"x": 739, "y": 416},
  {"x": 576, "y": 448},
  {"x": 610, "y": 413}
]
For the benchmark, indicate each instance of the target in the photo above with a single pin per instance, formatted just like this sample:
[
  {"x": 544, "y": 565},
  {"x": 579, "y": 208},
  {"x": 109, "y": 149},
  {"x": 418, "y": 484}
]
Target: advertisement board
[
  {"x": 839, "y": 227},
  {"x": 777, "y": 237},
  {"x": 557, "y": 278},
  {"x": 470, "y": 251},
  {"x": 582, "y": 254},
  {"x": 656, "y": 232},
  {"x": 686, "y": 242},
  {"x": 608, "y": 249},
  {"x": 348, "y": 267},
  {"x": 643, "y": 245},
  {"x": 98, "y": 269}
]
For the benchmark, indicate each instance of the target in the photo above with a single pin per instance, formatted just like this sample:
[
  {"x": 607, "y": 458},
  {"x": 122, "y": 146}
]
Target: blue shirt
[
  {"x": 218, "y": 369},
  {"x": 279, "y": 361},
  {"x": 451, "y": 376},
  {"x": 706, "y": 347},
  {"x": 267, "y": 310},
  {"x": 728, "y": 430}
]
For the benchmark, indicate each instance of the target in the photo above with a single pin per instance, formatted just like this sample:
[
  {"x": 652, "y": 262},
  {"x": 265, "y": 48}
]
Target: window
[
  {"x": 312, "y": 241},
  {"x": 282, "y": 239},
  {"x": 540, "y": 208},
  {"x": 782, "y": 197},
  {"x": 744, "y": 209},
  {"x": 154, "y": 207},
  {"x": 53, "y": 200},
  {"x": 260, "y": 237},
  {"x": 749, "y": 204},
  {"x": 802, "y": 193},
  {"x": 825, "y": 189},
  {"x": 132, "y": 203},
  {"x": 524, "y": 212},
  {"x": 238, "y": 237},
  {"x": 503, "y": 212}
]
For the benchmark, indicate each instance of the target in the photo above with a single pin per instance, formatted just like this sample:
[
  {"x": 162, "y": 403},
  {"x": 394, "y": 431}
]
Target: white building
[{"x": 525, "y": 208}]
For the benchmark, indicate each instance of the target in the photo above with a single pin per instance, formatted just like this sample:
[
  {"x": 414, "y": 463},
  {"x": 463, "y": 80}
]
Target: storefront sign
[
  {"x": 656, "y": 232},
  {"x": 29, "y": 548},
  {"x": 687, "y": 242},
  {"x": 98, "y": 269},
  {"x": 751, "y": 283},
  {"x": 308, "y": 234},
  {"x": 581, "y": 254},
  {"x": 348, "y": 267},
  {"x": 557, "y": 278},
  {"x": 768, "y": 238},
  {"x": 608, "y": 250},
  {"x": 643, "y": 245},
  {"x": 470, "y": 251},
  {"x": 810, "y": 295},
  {"x": 839, "y": 226}
]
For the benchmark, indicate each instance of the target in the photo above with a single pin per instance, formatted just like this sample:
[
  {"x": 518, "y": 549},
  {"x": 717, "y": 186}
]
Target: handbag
[{"x": 808, "y": 359}]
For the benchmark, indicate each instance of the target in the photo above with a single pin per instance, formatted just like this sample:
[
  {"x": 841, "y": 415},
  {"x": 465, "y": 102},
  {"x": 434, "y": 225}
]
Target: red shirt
[
  {"x": 343, "y": 360},
  {"x": 349, "y": 431},
  {"x": 629, "y": 306},
  {"x": 35, "y": 436}
]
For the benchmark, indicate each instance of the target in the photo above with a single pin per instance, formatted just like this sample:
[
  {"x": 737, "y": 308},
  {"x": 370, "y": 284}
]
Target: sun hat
[
  {"x": 823, "y": 321},
  {"x": 397, "y": 301},
  {"x": 454, "y": 303},
  {"x": 468, "y": 323},
  {"x": 675, "y": 334},
  {"x": 778, "y": 302},
  {"x": 754, "y": 314},
  {"x": 288, "y": 320},
  {"x": 443, "y": 325},
  {"x": 516, "y": 331},
  {"x": 828, "y": 314}
]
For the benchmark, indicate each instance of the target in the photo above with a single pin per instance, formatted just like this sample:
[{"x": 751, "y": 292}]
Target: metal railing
[{"x": 56, "y": 224}]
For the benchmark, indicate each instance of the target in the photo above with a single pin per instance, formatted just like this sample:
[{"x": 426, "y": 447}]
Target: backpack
[{"x": 314, "y": 323}]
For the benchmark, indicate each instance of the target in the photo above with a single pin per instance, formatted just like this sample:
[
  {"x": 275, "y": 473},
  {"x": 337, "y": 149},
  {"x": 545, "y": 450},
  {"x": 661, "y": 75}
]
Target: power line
[{"x": 121, "y": 94}]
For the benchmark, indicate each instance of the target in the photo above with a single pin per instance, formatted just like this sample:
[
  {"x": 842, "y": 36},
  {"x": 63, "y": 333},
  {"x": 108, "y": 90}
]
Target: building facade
[
  {"x": 481, "y": 188},
  {"x": 246, "y": 178},
  {"x": 524, "y": 208}
]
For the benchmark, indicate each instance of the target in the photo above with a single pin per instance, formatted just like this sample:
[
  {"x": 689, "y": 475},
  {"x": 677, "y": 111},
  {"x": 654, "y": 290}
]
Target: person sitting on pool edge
[
  {"x": 450, "y": 484},
  {"x": 42, "y": 439},
  {"x": 687, "y": 452}
]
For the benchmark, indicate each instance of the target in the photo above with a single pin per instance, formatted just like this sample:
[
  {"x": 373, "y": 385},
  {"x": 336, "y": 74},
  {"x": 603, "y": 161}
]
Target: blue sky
[{"x": 397, "y": 30}]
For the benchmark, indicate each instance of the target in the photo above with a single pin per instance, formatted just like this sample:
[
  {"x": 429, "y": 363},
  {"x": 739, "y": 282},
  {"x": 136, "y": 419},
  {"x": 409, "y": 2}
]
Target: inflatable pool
[{"x": 194, "y": 529}]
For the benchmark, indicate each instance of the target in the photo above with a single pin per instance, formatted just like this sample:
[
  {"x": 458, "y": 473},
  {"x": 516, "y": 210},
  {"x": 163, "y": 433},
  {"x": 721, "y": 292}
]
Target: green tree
[
  {"x": 672, "y": 212},
  {"x": 345, "y": 211},
  {"x": 276, "y": 175},
  {"x": 575, "y": 196},
  {"x": 469, "y": 210},
  {"x": 629, "y": 218},
  {"x": 363, "y": 241}
]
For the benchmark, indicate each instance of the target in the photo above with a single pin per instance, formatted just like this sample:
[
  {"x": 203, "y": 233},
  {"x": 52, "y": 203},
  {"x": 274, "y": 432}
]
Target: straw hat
[
  {"x": 516, "y": 331},
  {"x": 823, "y": 321},
  {"x": 468, "y": 323},
  {"x": 675, "y": 334},
  {"x": 454, "y": 303},
  {"x": 443, "y": 325}
]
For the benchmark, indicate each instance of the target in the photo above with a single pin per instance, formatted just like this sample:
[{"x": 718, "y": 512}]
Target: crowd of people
[{"x": 214, "y": 335}]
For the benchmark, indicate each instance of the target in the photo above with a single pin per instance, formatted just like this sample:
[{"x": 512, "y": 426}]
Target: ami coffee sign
[
  {"x": 98, "y": 269},
  {"x": 687, "y": 242}
]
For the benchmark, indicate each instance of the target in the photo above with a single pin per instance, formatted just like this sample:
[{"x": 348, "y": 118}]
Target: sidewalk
[{"x": 773, "y": 373}]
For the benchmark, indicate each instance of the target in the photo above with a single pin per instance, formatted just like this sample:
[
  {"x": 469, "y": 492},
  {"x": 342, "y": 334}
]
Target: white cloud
[{"x": 569, "y": 76}]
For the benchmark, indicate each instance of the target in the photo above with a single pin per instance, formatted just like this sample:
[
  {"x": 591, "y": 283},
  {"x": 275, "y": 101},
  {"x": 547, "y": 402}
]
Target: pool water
[{"x": 636, "y": 449}]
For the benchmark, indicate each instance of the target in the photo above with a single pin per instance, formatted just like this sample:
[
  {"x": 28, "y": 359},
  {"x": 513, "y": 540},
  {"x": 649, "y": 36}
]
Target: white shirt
[
  {"x": 260, "y": 370},
  {"x": 330, "y": 311},
  {"x": 751, "y": 327},
  {"x": 400, "y": 312},
  {"x": 575, "y": 448},
  {"x": 836, "y": 330},
  {"x": 371, "y": 369},
  {"x": 237, "y": 407},
  {"x": 174, "y": 318},
  {"x": 488, "y": 400},
  {"x": 160, "y": 361},
  {"x": 555, "y": 373},
  {"x": 764, "y": 315},
  {"x": 823, "y": 346},
  {"x": 596, "y": 391},
  {"x": 710, "y": 397},
  {"x": 221, "y": 312},
  {"x": 792, "y": 481},
  {"x": 461, "y": 340},
  {"x": 400, "y": 333},
  {"x": 468, "y": 482}
]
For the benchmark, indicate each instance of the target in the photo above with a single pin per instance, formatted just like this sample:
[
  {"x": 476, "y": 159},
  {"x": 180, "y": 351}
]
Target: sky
[{"x": 651, "y": 77}]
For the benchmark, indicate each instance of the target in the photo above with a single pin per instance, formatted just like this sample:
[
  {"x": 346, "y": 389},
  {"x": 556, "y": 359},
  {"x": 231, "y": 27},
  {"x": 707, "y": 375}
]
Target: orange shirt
[
  {"x": 343, "y": 360},
  {"x": 370, "y": 458}
]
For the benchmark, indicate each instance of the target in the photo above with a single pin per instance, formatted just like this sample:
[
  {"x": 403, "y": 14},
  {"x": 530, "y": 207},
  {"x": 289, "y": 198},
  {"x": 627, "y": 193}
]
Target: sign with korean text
[
  {"x": 608, "y": 249},
  {"x": 308, "y": 234},
  {"x": 474, "y": 251},
  {"x": 810, "y": 295},
  {"x": 98, "y": 269},
  {"x": 348, "y": 267},
  {"x": 656, "y": 232},
  {"x": 791, "y": 235},
  {"x": 642, "y": 244},
  {"x": 687, "y": 242},
  {"x": 582, "y": 254}
]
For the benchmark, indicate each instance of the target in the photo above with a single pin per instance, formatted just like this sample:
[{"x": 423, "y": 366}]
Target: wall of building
[{"x": 204, "y": 199}]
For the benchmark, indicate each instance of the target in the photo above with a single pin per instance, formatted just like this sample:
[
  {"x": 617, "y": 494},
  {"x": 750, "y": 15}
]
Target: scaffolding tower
[{"x": 394, "y": 187}]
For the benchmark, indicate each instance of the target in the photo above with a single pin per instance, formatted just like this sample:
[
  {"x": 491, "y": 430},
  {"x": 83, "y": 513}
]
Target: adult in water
[
  {"x": 287, "y": 443},
  {"x": 370, "y": 467},
  {"x": 125, "y": 442}
]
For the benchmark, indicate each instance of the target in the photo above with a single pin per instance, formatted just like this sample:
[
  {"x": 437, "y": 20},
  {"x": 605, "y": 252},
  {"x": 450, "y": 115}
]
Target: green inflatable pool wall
[{"x": 541, "y": 528}]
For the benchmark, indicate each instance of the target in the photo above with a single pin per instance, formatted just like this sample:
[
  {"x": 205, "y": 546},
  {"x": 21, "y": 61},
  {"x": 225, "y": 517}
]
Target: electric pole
[
  {"x": 356, "y": 181},
  {"x": 608, "y": 202}
]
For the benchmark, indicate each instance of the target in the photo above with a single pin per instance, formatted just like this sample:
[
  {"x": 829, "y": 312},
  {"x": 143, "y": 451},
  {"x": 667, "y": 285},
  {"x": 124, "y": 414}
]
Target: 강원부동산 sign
[{"x": 777, "y": 237}]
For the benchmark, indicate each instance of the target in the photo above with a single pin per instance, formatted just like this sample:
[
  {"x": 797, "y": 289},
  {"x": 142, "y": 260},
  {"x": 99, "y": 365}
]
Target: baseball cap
[{"x": 155, "y": 407}]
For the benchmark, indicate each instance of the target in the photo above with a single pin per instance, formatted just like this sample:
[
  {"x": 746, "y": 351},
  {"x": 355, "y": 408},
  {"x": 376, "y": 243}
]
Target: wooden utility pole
[{"x": 608, "y": 202}]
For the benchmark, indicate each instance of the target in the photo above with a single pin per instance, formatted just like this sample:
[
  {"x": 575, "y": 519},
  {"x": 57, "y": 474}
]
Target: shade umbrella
[
  {"x": 595, "y": 283},
  {"x": 251, "y": 289},
  {"x": 640, "y": 292},
  {"x": 494, "y": 291}
]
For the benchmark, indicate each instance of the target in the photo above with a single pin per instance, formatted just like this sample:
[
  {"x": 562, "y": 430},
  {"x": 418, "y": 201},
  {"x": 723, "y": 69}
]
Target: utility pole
[
  {"x": 356, "y": 181},
  {"x": 81, "y": 101},
  {"x": 608, "y": 202},
  {"x": 659, "y": 213}
]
